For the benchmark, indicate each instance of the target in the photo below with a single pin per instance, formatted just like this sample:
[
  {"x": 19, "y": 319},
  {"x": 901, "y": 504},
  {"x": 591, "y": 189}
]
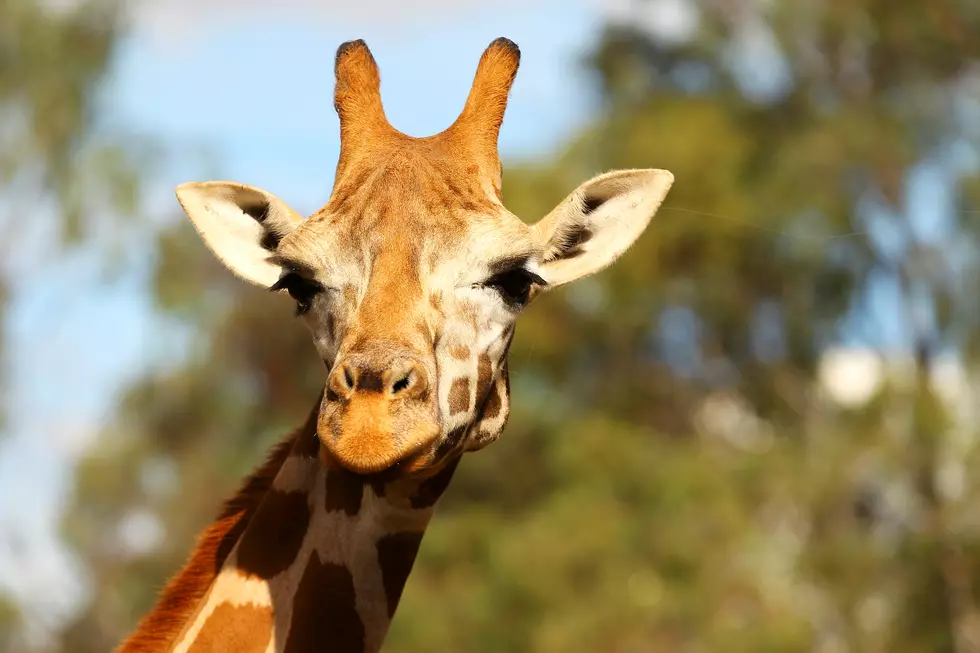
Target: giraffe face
[
  {"x": 412, "y": 277},
  {"x": 414, "y": 331}
]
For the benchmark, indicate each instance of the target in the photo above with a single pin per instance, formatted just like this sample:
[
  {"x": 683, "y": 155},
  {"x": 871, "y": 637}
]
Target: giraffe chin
[
  {"x": 356, "y": 456},
  {"x": 368, "y": 442}
]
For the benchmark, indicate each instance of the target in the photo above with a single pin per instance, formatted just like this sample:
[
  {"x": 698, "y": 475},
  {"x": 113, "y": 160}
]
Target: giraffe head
[{"x": 413, "y": 275}]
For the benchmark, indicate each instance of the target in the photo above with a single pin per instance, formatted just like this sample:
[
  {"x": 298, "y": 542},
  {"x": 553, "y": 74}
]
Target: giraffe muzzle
[{"x": 376, "y": 416}]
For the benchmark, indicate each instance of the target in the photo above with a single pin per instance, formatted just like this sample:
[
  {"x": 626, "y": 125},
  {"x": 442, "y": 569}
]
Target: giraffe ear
[
  {"x": 599, "y": 221},
  {"x": 240, "y": 224}
]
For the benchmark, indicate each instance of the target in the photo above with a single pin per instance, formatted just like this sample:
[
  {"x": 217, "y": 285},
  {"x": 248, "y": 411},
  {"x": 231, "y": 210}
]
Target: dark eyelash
[
  {"x": 300, "y": 288},
  {"x": 514, "y": 286}
]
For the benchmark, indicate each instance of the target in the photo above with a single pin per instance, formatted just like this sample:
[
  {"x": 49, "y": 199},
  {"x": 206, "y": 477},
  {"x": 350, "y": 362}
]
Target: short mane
[{"x": 181, "y": 596}]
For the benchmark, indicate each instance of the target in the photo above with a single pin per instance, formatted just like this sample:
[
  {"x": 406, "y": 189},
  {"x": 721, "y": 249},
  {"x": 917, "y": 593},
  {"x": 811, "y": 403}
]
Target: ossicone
[
  {"x": 487, "y": 101},
  {"x": 365, "y": 130},
  {"x": 357, "y": 96}
]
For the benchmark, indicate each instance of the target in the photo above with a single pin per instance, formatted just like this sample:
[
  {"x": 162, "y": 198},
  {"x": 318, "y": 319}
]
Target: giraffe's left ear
[{"x": 598, "y": 222}]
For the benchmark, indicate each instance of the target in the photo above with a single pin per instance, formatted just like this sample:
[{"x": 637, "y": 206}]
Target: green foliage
[
  {"x": 673, "y": 477},
  {"x": 61, "y": 173},
  {"x": 50, "y": 65},
  {"x": 9, "y": 622}
]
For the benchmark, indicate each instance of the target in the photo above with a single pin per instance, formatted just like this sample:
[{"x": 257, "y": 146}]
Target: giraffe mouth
[
  {"x": 382, "y": 469},
  {"x": 363, "y": 436}
]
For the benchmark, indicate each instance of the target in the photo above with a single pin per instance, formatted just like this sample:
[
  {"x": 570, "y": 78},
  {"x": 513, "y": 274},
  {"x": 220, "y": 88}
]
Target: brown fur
[
  {"x": 432, "y": 488},
  {"x": 396, "y": 555},
  {"x": 274, "y": 534},
  {"x": 492, "y": 406},
  {"x": 459, "y": 395},
  {"x": 344, "y": 492},
  {"x": 484, "y": 376},
  {"x": 325, "y": 617},
  {"x": 180, "y": 598}
]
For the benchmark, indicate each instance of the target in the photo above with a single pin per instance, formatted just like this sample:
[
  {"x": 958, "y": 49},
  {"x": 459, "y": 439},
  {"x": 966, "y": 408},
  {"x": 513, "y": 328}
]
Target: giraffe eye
[
  {"x": 299, "y": 288},
  {"x": 514, "y": 286}
]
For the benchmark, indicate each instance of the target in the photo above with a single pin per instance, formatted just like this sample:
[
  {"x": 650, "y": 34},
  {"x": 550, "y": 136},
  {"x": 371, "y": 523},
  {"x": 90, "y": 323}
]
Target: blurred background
[{"x": 757, "y": 432}]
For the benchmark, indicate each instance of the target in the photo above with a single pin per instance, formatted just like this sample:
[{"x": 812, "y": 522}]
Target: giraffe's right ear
[
  {"x": 599, "y": 221},
  {"x": 241, "y": 224}
]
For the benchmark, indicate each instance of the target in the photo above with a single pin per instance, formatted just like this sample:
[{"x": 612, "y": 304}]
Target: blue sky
[{"x": 254, "y": 87}]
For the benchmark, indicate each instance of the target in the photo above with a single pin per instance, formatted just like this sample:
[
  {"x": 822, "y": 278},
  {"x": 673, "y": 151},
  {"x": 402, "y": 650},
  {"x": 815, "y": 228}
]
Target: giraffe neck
[{"x": 319, "y": 561}]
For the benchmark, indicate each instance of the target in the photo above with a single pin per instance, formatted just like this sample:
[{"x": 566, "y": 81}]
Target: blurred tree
[
  {"x": 57, "y": 162},
  {"x": 63, "y": 172},
  {"x": 676, "y": 476},
  {"x": 9, "y": 624},
  {"x": 51, "y": 62}
]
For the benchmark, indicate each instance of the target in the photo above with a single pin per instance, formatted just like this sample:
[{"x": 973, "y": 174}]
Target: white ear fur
[
  {"x": 241, "y": 224},
  {"x": 599, "y": 221}
]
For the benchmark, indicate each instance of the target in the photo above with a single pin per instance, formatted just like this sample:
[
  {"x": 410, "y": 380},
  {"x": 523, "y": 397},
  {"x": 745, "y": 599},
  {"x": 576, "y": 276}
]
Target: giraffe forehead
[
  {"x": 401, "y": 242},
  {"x": 414, "y": 200},
  {"x": 412, "y": 185}
]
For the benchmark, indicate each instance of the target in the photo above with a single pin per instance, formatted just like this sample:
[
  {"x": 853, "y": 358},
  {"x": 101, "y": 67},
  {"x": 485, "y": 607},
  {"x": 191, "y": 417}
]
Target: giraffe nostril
[
  {"x": 401, "y": 384},
  {"x": 405, "y": 380},
  {"x": 341, "y": 381}
]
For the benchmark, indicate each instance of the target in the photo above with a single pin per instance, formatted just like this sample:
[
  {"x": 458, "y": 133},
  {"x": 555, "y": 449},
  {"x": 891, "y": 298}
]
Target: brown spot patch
[
  {"x": 432, "y": 488},
  {"x": 379, "y": 485},
  {"x": 459, "y": 352},
  {"x": 324, "y": 614},
  {"x": 370, "y": 381},
  {"x": 492, "y": 406},
  {"x": 344, "y": 491},
  {"x": 483, "y": 438},
  {"x": 484, "y": 377},
  {"x": 459, "y": 396},
  {"x": 452, "y": 439},
  {"x": 245, "y": 628},
  {"x": 275, "y": 535},
  {"x": 307, "y": 445},
  {"x": 493, "y": 403},
  {"x": 396, "y": 555}
]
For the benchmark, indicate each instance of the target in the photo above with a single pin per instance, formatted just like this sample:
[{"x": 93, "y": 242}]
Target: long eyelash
[
  {"x": 280, "y": 284},
  {"x": 498, "y": 282},
  {"x": 532, "y": 277},
  {"x": 303, "y": 305}
]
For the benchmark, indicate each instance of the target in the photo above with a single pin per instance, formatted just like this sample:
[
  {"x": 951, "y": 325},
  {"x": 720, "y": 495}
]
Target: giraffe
[{"x": 410, "y": 280}]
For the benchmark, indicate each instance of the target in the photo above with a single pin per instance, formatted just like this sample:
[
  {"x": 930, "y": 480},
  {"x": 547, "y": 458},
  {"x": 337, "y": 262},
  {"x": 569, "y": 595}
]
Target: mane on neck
[
  {"x": 327, "y": 551},
  {"x": 181, "y": 596}
]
